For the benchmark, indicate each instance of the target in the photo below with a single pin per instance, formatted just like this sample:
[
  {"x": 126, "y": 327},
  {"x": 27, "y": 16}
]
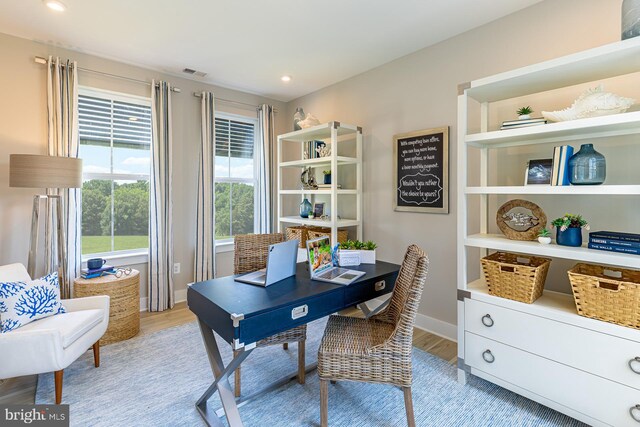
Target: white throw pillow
[{"x": 24, "y": 302}]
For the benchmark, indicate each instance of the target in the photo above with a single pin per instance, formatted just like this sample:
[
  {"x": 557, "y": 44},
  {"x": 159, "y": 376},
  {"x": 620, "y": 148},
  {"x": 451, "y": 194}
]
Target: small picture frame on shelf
[
  {"x": 539, "y": 172},
  {"x": 318, "y": 210}
]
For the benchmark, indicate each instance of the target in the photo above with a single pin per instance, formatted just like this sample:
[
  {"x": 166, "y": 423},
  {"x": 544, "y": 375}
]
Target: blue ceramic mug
[{"x": 95, "y": 263}]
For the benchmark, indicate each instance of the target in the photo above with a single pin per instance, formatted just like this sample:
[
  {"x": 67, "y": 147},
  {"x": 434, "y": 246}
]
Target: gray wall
[
  {"x": 23, "y": 130},
  {"x": 419, "y": 92}
]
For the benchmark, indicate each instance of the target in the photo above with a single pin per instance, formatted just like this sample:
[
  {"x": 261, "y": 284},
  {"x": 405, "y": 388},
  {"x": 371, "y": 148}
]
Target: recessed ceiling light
[
  {"x": 56, "y": 5},
  {"x": 285, "y": 79}
]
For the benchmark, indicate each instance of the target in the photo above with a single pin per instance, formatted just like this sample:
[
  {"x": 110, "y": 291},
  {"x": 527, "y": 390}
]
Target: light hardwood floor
[{"x": 22, "y": 390}]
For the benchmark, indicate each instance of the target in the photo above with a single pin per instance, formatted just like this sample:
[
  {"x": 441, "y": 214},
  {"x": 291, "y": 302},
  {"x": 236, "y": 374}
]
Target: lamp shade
[{"x": 34, "y": 171}]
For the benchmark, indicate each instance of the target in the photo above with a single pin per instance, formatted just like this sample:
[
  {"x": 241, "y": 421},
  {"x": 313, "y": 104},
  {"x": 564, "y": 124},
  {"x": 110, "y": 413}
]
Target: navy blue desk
[{"x": 243, "y": 314}]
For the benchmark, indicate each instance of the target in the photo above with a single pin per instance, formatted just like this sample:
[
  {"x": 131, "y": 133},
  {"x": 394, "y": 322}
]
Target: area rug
[{"x": 154, "y": 380}]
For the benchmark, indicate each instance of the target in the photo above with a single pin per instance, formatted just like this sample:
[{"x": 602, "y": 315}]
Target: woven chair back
[
  {"x": 251, "y": 250},
  {"x": 406, "y": 297}
]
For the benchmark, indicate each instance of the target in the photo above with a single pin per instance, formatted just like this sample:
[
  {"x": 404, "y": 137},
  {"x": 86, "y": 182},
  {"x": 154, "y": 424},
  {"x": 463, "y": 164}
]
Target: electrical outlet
[{"x": 176, "y": 268}]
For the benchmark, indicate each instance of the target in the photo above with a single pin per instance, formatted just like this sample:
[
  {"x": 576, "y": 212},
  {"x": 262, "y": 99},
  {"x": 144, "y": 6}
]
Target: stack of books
[
  {"x": 311, "y": 149},
  {"x": 327, "y": 186},
  {"x": 560, "y": 172},
  {"x": 626, "y": 243},
  {"x": 98, "y": 272},
  {"x": 514, "y": 124}
]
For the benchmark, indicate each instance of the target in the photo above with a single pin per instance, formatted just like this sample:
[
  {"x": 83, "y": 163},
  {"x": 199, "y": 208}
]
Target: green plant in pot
[
  {"x": 569, "y": 229},
  {"x": 544, "y": 236},
  {"x": 524, "y": 113},
  {"x": 327, "y": 176},
  {"x": 367, "y": 250}
]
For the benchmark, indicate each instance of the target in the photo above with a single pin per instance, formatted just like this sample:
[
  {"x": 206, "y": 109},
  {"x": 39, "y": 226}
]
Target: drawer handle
[
  {"x": 632, "y": 362},
  {"x": 487, "y": 321},
  {"x": 488, "y": 356},
  {"x": 634, "y": 411}
]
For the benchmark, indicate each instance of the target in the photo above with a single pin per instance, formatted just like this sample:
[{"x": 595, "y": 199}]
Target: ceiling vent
[{"x": 194, "y": 72}]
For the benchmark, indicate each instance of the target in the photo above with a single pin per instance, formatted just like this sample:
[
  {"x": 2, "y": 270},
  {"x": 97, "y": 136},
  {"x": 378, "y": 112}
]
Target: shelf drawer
[
  {"x": 600, "y": 354},
  {"x": 600, "y": 399}
]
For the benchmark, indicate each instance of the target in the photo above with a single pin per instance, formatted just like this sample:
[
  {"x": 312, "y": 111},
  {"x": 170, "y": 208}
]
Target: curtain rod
[
  {"x": 230, "y": 101},
  {"x": 41, "y": 60}
]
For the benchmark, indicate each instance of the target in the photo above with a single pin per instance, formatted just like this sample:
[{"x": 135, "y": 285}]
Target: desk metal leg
[
  {"x": 368, "y": 312},
  {"x": 221, "y": 382}
]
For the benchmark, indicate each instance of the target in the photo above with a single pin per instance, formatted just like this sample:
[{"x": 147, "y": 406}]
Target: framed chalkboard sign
[{"x": 421, "y": 171}]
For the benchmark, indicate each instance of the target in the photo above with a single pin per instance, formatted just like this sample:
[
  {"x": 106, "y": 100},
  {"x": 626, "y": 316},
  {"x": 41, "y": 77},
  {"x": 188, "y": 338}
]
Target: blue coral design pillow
[{"x": 24, "y": 302}]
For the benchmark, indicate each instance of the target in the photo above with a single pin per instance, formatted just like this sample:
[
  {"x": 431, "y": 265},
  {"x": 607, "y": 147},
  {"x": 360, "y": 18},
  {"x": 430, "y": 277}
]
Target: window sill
[{"x": 121, "y": 260}]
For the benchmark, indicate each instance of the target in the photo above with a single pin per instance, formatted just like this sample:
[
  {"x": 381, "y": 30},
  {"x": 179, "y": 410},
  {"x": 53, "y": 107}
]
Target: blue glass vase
[
  {"x": 305, "y": 208},
  {"x": 569, "y": 237},
  {"x": 587, "y": 167}
]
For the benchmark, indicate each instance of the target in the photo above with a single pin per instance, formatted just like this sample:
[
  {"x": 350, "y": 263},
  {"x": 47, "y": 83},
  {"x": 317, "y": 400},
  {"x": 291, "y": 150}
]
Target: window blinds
[
  {"x": 234, "y": 138},
  {"x": 100, "y": 120}
]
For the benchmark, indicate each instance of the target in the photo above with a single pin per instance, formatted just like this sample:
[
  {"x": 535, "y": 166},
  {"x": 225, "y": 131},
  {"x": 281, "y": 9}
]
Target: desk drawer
[
  {"x": 594, "y": 352},
  {"x": 591, "y": 395},
  {"x": 264, "y": 325},
  {"x": 357, "y": 293}
]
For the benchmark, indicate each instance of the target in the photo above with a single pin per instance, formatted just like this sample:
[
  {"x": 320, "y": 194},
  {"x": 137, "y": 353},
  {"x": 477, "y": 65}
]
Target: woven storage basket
[
  {"x": 517, "y": 277},
  {"x": 601, "y": 296},
  {"x": 299, "y": 232},
  {"x": 317, "y": 232}
]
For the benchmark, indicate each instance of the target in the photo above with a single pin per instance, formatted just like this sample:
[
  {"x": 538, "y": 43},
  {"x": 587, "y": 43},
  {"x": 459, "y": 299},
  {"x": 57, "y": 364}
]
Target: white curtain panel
[
  {"x": 160, "y": 281},
  {"x": 205, "y": 259},
  {"x": 264, "y": 159},
  {"x": 62, "y": 116}
]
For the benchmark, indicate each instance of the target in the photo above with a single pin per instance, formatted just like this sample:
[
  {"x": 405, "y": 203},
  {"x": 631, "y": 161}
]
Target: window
[
  {"x": 115, "y": 141},
  {"x": 235, "y": 175}
]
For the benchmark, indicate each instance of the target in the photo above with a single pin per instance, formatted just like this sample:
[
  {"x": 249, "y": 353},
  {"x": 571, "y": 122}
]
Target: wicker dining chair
[
  {"x": 250, "y": 254},
  {"x": 378, "y": 349}
]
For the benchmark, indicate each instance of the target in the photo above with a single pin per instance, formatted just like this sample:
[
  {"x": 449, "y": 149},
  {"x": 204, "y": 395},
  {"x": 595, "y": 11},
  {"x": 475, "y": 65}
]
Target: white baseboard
[
  {"x": 180, "y": 295},
  {"x": 432, "y": 325}
]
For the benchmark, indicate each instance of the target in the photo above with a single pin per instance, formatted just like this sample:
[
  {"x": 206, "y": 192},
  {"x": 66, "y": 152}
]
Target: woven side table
[{"x": 124, "y": 307}]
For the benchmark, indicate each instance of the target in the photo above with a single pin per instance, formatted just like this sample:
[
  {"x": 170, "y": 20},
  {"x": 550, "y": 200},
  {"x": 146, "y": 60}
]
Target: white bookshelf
[
  {"x": 553, "y": 315},
  {"x": 335, "y": 134}
]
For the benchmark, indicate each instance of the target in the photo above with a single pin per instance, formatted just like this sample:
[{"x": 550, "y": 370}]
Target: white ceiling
[{"x": 249, "y": 44}]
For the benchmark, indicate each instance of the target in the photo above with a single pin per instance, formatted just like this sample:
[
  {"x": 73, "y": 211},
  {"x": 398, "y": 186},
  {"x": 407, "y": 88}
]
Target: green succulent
[
  {"x": 544, "y": 233},
  {"x": 370, "y": 245},
  {"x": 328, "y": 172},
  {"x": 524, "y": 111}
]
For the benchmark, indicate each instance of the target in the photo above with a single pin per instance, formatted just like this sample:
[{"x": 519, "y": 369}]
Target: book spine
[
  {"x": 556, "y": 166},
  {"x": 614, "y": 242},
  {"x": 567, "y": 153},
  {"x": 614, "y": 248},
  {"x": 614, "y": 236}
]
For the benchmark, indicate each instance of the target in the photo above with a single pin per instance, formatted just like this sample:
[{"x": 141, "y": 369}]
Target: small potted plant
[
  {"x": 524, "y": 113},
  {"x": 368, "y": 252},
  {"x": 347, "y": 254},
  {"x": 569, "y": 229},
  {"x": 544, "y": 236},
  {"x": 327, "y": 177}
]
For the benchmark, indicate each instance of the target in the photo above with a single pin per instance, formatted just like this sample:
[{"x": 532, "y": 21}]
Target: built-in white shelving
[
  {"x": 335, "y": 134},
  {"x": 497, "y": 336}
]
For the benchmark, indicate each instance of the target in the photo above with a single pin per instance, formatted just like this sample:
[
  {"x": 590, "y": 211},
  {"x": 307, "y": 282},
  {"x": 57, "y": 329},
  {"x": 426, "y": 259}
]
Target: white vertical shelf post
[
  {"x": 359, "y": 182},
  {"x": 462, "y": 221},
  {"x": 334, "y": 186},
  {"x": 279, "y": 198},
  {"x": 484, "y": 173}
]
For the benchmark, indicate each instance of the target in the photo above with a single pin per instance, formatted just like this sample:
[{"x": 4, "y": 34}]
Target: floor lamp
[{"x": 51, "y": 172}]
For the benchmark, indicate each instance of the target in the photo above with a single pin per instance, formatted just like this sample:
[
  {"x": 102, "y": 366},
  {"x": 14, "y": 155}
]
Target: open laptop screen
[{"x": 319, "y": 254}]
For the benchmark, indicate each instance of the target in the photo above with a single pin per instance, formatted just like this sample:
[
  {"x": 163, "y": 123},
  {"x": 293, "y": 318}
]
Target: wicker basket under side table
[{"x": 124, "y": 307}]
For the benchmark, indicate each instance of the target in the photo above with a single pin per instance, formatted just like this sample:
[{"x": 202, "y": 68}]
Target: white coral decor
[{"x": 592, "y": 103}]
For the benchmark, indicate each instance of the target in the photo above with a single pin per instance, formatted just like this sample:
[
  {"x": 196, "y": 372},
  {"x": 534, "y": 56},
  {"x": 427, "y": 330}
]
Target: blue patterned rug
[{"x": 155, "y": 380}]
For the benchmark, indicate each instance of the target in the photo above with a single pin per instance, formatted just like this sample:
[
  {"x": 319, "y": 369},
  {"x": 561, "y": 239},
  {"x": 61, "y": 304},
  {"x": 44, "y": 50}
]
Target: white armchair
[{"x": 53, "y": 343}]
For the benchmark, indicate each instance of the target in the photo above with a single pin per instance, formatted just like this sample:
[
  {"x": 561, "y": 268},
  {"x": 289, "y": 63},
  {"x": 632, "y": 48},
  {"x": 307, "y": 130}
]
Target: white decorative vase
[
  {"x": 524, "y": 117},
  {"x": 368, "y": 257},
  {"x": 544, "y": 240}
]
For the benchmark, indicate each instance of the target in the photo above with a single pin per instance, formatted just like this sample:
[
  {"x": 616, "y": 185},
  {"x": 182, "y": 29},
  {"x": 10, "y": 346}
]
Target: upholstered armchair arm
[
  {"x": 29, "y": 352},
  {"x": 88, "y": 303}
]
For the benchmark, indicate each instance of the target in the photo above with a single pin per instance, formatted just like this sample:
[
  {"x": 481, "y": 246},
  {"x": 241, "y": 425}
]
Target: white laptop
[
  {"x": 321, "y": 265},
  {"x": 281, "y": 263}
]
